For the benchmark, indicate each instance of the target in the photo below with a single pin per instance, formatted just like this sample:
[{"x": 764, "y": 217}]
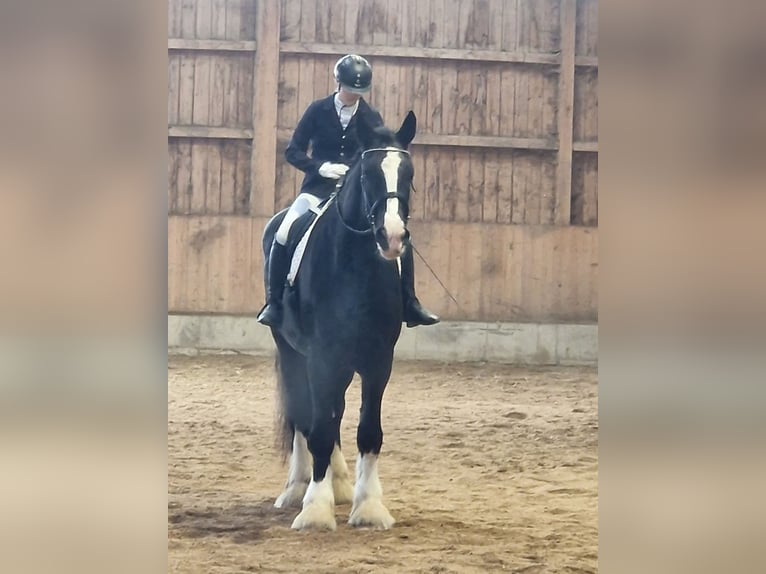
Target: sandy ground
[{"x": 486, "y": 468}]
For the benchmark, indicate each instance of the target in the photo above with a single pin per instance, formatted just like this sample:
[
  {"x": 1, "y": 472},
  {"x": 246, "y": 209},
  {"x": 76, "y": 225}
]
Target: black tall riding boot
[
  {"x": 414, "y": 313},
  {"x": 278, "y": 267}
]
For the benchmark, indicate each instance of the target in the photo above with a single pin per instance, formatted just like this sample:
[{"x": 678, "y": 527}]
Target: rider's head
[{"x": 353, "y": 74}]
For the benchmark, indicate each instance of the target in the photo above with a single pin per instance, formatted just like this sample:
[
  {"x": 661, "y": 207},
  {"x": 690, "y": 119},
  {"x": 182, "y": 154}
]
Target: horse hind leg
[
  {"x": 296, "y": 417},
  {"x": 368, "y": 509},
  {"x": 299, "y": 474},
  {"x": 342, "y": 487}
]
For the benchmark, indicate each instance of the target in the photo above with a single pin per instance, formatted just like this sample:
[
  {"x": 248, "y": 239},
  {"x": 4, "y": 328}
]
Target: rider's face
[{"x": 348, "y": 98}]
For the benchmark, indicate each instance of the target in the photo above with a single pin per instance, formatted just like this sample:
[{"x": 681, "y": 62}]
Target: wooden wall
[{"x": 506, "y": 156}]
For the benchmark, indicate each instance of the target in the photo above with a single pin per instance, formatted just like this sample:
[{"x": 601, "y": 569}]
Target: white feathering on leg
[
  {"x": 299, "y": 475},
  {"x": 368, "y": 508},
  {"x": 341, "y": 483},
  {"x": 318, "y": 506}
]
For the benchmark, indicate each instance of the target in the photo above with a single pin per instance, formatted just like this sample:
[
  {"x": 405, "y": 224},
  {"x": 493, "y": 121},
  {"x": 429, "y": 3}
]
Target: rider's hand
[{"x": 332, "y": 170}]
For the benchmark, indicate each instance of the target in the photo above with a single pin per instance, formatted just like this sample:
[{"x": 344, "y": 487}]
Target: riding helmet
[{"x": 354, "y": 73}]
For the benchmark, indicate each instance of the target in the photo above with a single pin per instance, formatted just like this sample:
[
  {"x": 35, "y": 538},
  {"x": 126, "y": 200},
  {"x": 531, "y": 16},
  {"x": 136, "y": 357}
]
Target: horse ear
[{"x": 406, "y": 133}]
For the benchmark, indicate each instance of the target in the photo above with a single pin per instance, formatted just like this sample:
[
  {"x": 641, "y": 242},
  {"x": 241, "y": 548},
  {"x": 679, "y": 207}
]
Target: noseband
[{"x": 369, "y": 214}]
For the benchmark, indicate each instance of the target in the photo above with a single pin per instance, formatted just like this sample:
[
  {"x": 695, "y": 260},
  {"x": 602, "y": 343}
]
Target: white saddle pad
[{"x": 295, "y": 263}]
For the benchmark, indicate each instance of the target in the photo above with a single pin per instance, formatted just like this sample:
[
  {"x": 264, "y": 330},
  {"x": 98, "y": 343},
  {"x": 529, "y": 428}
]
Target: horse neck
[{"x": 351, "y": 200}]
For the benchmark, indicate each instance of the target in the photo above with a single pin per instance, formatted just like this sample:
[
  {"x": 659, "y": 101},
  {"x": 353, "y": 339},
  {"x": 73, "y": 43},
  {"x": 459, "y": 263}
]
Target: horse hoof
[
  {"x": 371, "y": 513},
  {"x": 292, "y": 496},
  {"x": 343, "y": 490},
  {"x": 315, "y": 517}
]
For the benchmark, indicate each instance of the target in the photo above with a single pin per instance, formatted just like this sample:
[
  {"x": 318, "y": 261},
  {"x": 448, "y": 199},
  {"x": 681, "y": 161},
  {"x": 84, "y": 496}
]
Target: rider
[{"x": 328, "y": 125}]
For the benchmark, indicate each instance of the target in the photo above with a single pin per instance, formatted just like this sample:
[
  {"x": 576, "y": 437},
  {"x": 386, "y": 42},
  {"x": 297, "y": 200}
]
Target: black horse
[{"x": 343, "y": 315}]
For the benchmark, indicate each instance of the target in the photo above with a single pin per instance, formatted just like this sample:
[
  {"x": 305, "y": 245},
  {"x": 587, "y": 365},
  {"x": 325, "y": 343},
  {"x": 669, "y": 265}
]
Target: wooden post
[
  {"x": 263, "y": 164},
  {"x": 565, "y": 113}
]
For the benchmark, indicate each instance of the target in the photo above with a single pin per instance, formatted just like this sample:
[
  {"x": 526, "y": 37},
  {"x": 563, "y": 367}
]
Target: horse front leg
[
  {"x": 368, "y": 508},
  {"x": 319, "y": 502}
]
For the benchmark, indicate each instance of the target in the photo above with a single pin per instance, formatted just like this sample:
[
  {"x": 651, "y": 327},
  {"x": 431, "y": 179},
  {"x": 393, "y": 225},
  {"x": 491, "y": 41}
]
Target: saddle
[{"x": 298, "y": 238}]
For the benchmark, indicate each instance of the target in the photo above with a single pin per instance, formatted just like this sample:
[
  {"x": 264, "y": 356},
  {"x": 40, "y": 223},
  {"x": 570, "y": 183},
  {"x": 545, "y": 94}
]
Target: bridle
[{"x": 370, "y": 210}]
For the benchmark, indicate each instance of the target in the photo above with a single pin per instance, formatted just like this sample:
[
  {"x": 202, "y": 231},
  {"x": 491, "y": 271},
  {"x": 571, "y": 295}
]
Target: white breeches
[{"x": 301, "y": 205}]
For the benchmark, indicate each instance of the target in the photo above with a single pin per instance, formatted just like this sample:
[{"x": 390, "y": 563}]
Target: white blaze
[{"x": 392, "y": 222}]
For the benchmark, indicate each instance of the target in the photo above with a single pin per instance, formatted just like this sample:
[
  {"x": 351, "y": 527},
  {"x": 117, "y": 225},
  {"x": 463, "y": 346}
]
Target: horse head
[{"x": 386, "y": 179}]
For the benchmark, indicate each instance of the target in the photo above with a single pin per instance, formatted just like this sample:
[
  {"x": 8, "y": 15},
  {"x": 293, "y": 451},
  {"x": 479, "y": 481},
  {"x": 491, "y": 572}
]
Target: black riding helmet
[{"x": 354, "y": 74}]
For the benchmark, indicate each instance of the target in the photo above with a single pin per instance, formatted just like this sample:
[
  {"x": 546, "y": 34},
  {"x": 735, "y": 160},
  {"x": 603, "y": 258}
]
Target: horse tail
[{"x": 284, "y": 429}]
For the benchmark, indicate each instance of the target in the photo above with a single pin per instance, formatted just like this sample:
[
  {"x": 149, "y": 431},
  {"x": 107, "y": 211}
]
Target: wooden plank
[
  {"x": 351, "y": 35},
  {"x": 365, "y": 21},
  {"x": 214, "y": 45},
  {"x": 213, "y": 179},
  {"x": 492, "y": 110},
  {"x": 188, "y": 18},
  {"x": 184, "y": 186},
  {"x": 209, "y": 132},
  {"x": 290, "y": 20},
  {"x": 248, "y": 19},
  {"x": 464, "y": 97},
  {"x": 448, "y": 192},
  {"x": 478, "y": 102},
  {"x": 379, "y": 21},
  {"x": 548, "y": 191},
  {"x": 337, "y": 11},
  {"x": 476, "y": 186},
  {"x": 449, "y": 98},
  {"x": 203, "y": 21},
  {"x": 218, "y": 19},
  {"x": 419, "y": 101},
  {"x": 534, "y": 191},
  {"x": 174, "y": 88},
  {"x": 199, "y": 157},
  {"x": 521, "y": 104},
  {"x": 186, "y": 89},
  {"x": 421, "y": 27},
  {"x": 201, "y": 103},
  {"x": 173, "y": 166},
  {"x": 243, "y": 179},
  {"x": 233, "y": 15},
  {"x": 462, "y": 160},
  {"x": 228, "y": 177},
  {"x": 536, "y": 104},
  {"x": 289, "y": 81},
  {"x": 175, "y": 13},
  {"x": 490, "y": 187},
  {"x": 435, "y": 106},
  {"x": 322, "y": 29},
  {"x": 218, "y": 90},
  {"x": 565, "y": 113},
  {"x": 230, "y": 87},
  {"x": 394, "y": 23},
  {"x": 308, "y": 21},
  {"x": 265, "y": 94},
  {"x": 419, "y": 53},
  {"x": 507, "y": 100},
  {"x": 506, "y": 170},
  {"x": 418, "y": 194},
  {"x": 496, "y": 9},
  {"x": 451, "y": 20},
  {"x": 510, "y": 36},
  {"x": 521, "y": 169},
  {"x": 245, "y": 86},
  {"x": 433, "y": 186}
]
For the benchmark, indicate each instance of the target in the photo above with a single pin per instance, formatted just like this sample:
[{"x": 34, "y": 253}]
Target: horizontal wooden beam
[
  {"x": 420, "y": 53},
  {"x": 585, "y": 146},
  {"x": 211, "y": 45},
  {"x": 586, "y": 61},
  {"x": 484, "y": 141},
  {"x": 495, "y": 142},
  {"x": 210, "y": 132}
]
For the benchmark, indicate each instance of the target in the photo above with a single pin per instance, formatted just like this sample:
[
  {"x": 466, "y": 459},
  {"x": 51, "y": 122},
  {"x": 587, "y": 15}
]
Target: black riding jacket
[{"x": 321, "y": 128}]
